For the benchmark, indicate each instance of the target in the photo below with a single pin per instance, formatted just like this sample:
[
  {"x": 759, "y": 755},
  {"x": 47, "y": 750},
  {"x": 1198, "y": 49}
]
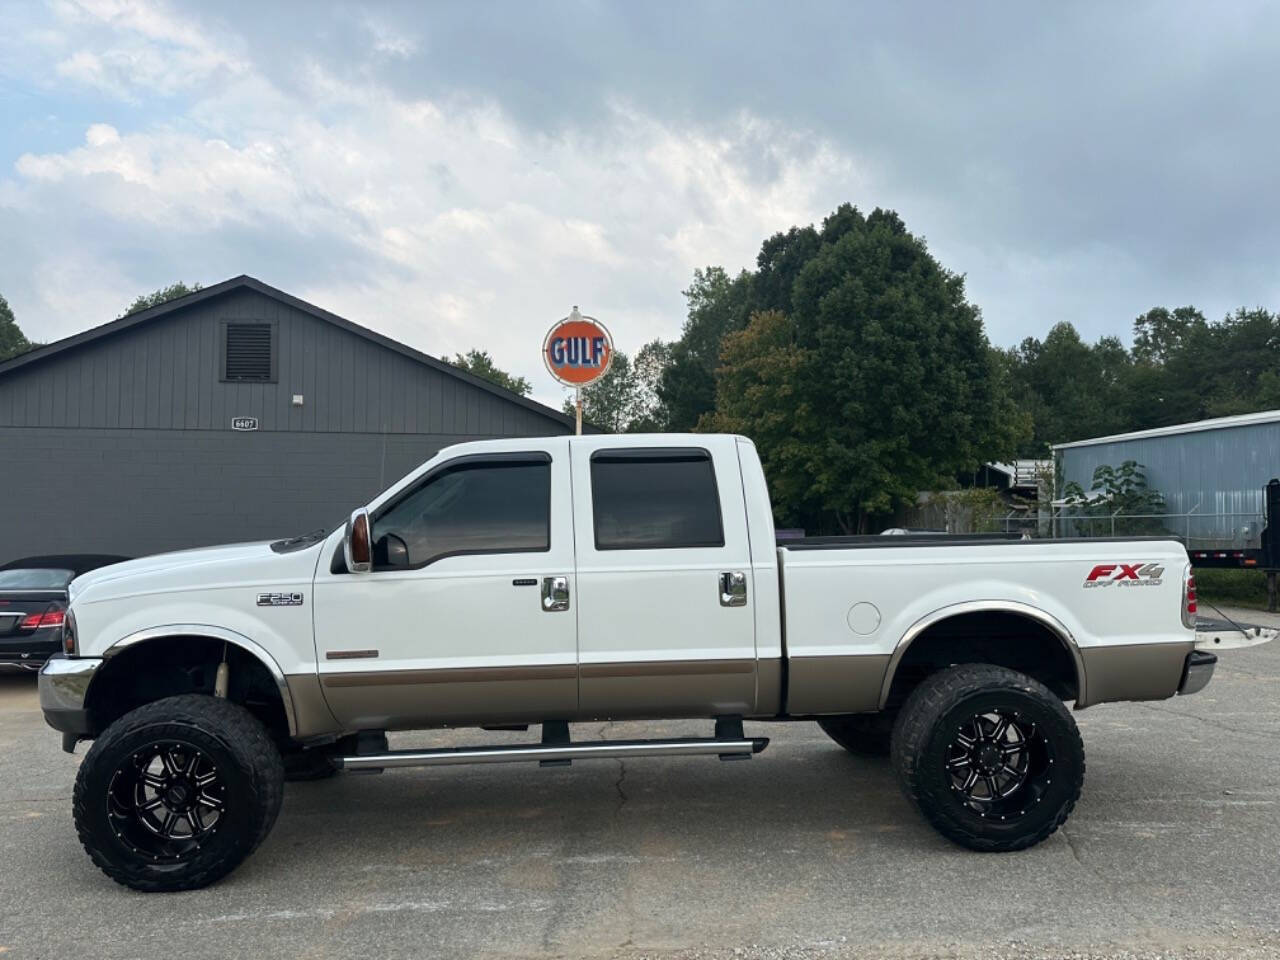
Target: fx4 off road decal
[{"x": 1125, "y": 575}]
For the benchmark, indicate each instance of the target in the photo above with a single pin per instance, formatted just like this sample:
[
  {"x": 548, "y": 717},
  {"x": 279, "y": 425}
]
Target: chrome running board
[{"x": 728, "y": 749}]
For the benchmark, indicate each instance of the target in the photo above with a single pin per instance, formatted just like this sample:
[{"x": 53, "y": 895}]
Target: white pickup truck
[{"x": 554, "y": 580}]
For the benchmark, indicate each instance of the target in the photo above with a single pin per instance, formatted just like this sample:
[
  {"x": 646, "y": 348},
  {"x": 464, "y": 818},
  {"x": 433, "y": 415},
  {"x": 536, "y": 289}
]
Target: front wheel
[
  {"x": 174, "y": 795},
  {"x": 990, "y": 756}
]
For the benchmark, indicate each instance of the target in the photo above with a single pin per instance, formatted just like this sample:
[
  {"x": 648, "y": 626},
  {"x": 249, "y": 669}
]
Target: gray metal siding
[
  {"x": 137, "y": 491},
  {"x": 123, "y": 444},
  {"x": 166, "y": 376},
  {"x": 1217, "y": 475}
]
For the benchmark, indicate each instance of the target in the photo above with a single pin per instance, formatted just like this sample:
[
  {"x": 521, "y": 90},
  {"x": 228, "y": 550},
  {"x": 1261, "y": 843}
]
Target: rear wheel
[
  {"x": 175, "y": 794},
  {"x": 866, "y": 735},
  {"x": 991, "y": 757}
]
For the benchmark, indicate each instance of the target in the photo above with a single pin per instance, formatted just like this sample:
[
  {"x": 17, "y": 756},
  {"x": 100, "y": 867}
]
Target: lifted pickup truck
[{"x": 553, "y": 580}]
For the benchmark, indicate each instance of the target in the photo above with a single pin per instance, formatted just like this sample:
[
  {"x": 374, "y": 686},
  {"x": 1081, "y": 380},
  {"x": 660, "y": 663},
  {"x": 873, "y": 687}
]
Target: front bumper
[
  {"x": 1198, "y": 672},
  {"x": 64, "y": 685}
]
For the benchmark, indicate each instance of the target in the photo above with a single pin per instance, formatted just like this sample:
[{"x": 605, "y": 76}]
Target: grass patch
[{"x": 1239, "y": 588}]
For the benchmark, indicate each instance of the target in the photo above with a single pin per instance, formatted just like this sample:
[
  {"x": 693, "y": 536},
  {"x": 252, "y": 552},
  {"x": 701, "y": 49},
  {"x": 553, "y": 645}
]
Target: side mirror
[{"x": 356, "y": 547}]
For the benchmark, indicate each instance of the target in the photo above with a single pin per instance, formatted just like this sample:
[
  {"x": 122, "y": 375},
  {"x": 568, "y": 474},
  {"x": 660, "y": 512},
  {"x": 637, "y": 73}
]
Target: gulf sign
[{"x": 577, "y": 350}]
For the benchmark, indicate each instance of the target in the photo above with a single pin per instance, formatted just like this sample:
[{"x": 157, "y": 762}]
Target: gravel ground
[{"x": 1174, "y": 851}]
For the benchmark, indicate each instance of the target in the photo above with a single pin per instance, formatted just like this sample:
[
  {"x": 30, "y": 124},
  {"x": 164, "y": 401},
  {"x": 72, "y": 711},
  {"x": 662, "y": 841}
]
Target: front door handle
[
  {"x": 733, "y": 589},
  {"x": 555, "y": 594}
]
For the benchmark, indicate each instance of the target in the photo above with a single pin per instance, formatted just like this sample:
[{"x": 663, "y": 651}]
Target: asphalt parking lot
[{"x": 804, "y": 851}]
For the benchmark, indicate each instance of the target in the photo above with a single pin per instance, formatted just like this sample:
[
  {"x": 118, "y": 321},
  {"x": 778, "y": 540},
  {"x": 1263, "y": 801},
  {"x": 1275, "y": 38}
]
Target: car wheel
[
  {"x": 991, "y": 757},
  {"x": 174, "y": 795}
]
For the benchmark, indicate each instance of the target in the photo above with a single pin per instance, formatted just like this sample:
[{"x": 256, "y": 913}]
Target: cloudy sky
[{"x": 460, "y": 174}]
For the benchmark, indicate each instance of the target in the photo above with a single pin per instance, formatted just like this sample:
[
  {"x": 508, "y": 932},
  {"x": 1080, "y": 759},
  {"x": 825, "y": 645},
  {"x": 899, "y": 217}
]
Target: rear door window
[{"x": 655, "y": 499}]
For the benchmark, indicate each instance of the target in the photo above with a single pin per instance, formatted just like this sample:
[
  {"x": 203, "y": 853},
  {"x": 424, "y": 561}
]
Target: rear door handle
[
  {"x": 555, "y": 594},
  {"x": 733, "y": 589}
]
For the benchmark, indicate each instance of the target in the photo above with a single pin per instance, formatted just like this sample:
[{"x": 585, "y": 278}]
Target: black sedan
[{"x": 33, "y": 603}]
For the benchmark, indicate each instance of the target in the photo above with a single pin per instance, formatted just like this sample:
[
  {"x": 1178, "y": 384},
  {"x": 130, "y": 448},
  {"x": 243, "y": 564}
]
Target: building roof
[
  {"x": 244, "y": 281},
  {"x": 1217, "y": 423}
]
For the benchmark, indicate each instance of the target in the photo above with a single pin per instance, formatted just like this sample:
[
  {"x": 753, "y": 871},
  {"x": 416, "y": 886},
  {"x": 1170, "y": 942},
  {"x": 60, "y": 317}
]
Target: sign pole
[{"x": 578, "y": 402}]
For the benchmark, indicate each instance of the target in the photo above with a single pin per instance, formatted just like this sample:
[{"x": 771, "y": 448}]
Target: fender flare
[
  {"x": 1046, "y": 620},
  {"x": 211, "y": 632}
]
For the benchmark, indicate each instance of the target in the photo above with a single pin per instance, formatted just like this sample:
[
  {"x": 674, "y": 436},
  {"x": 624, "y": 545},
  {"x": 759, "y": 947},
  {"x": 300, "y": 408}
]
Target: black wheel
[
  {"x": 175, "y": 794},
  {"x": 308, "y": 764},
  {"x": 866, "y": 735},
  {"x": 990, "y": 756}
]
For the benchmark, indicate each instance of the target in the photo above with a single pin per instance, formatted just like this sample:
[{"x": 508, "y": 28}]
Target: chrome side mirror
[{"x": 357, "y": 547}]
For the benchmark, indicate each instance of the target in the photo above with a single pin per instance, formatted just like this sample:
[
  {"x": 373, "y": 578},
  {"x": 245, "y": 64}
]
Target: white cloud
[
  {"x": 469, "y": 229},
  {"x": 135, "y": 49}
]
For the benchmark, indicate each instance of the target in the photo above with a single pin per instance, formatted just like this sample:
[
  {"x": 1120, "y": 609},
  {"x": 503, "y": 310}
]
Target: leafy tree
[
  {"x": 910, "y": 391},
  {"x": 718, "y": 304},
  {"x": 1119, "y": 501},
  {"x": 625, "y": 399},
  {"x": 1070, "y": 389},
  {"x": 172, "y": 292},
  {"x": 610, "y": 402},
  {"x": 648, "y": 414},
  {"x": 763, "y": 391},
  {"x": 481, "y": 364},
  {"x": 12, "y": 340},
  {"x": 879, "y": 382}
]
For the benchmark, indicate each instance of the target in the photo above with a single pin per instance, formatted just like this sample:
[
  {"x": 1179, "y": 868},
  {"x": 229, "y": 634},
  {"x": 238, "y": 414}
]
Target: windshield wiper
[{"x": 299, "y": 543}]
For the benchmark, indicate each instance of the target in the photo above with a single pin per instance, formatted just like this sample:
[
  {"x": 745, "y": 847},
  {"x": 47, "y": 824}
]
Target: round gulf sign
[{"x": 577, "y": 350}]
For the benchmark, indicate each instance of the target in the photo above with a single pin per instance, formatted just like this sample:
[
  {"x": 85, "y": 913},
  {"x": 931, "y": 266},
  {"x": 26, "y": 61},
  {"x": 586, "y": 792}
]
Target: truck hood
[{"x": 207, "y": 566}]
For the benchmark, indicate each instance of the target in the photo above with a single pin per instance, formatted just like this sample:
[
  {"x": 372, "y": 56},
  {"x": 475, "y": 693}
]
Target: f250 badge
[
  {"x": 1125, "y": 575},
  {"x": 279, "y": 599}
]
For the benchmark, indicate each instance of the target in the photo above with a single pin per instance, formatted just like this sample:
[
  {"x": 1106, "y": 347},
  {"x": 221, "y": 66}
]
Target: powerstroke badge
[
  {"x": 1125, "y": 575},
  {"x": 279, "y": 599}
]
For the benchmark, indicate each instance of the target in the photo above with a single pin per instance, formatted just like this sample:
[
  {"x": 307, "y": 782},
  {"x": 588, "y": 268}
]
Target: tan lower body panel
[
  {"x": 768, "y": 688},
  {"x": 1139, "y": 671},
  {"x": 414, "y": 699},
  {"x": 667, "y": 689},
  {"x": 835, "y": 684},
  {"x": 311, "y": 713}
]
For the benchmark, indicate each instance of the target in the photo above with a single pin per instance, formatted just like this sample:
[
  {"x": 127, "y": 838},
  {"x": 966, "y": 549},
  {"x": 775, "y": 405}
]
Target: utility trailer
[{"x": 1266, "y": 556}]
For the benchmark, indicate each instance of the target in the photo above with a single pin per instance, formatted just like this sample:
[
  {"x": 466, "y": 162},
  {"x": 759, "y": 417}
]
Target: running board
[{"x": 735, "y": 749}]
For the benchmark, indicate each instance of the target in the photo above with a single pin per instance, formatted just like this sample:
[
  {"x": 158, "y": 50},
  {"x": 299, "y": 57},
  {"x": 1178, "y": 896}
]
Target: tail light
[
  {"x": 1189, "y": 600},
  {"x": 53, "y": 617},
  {"x": 69, "y": 641}
]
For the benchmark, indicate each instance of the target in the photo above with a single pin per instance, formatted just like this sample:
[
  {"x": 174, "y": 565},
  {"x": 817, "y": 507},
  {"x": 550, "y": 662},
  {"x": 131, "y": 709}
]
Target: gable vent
[{"x": 248, "y": 351}]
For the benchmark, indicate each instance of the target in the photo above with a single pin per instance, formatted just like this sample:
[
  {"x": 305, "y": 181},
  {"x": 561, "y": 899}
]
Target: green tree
[
  {"x": 718, "y": 304},
  {"x": 12, "y": 340},
  {"x": 610, "y": 402},
  {"x": 481, "y": 364},
  {"x": 1119, "y": 502},
  {"x": 625, "y": 399},
  {"x": 172, "y": 292},
  {"x": 911, "y": 393},
  {"x": 648, "y": 414},
  {"x": 1071, "y": 389},
  {"x": 877, "y": 384},
  {"x": 763, "y": 392}
]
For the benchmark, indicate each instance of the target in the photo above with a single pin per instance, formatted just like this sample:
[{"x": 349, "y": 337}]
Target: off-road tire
[
  {"x": 246, "y": 759},
  {"x": 925, "y": 732},
  {"x": 864, "y": 734},
  {"x": 311, "y": 764}
]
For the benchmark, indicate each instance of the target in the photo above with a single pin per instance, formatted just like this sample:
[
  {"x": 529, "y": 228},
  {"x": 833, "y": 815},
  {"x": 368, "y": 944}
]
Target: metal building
[
  {"x": 1212, "y": 473},
  {"x": 235, "y": 413}
]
